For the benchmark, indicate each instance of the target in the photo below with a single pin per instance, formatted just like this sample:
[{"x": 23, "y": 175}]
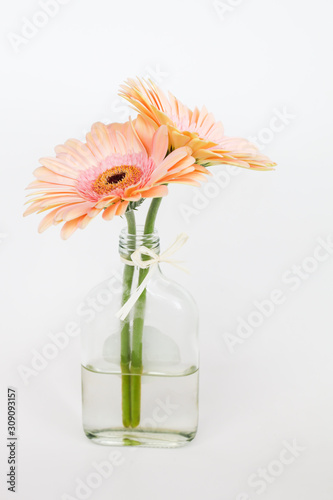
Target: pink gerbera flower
[
  {"x": 195, "y": 129},
  {"x": 115, "y": 166}
]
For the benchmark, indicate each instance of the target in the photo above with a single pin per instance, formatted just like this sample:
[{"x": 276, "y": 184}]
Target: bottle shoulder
[{"x": 162, "y": 284}]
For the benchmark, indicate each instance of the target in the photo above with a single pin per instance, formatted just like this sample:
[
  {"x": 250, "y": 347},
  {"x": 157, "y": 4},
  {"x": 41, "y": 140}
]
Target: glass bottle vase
[{"x": 140, "y": 375}]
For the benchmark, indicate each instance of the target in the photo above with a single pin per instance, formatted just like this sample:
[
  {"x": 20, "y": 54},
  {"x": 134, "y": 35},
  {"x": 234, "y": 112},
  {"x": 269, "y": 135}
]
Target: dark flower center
[{"x": 113, "y": 179}]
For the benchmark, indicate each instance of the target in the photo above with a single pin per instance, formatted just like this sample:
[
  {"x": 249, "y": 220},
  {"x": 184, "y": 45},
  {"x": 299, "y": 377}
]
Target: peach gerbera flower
[
  {"x": 195, "y": 129},
  {"x": 113, "y": 168}
]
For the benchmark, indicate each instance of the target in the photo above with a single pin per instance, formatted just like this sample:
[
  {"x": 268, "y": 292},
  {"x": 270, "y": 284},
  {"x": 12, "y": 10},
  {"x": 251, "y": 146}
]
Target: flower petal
[
  {"x": 155, "y": 192},
  {"x": 109, "y": 212},
  {"x": 121, "y": 208},
  {"x": 160, "y": 144},
  {"x": 44, "y": 174},
  {"x": 70, "y": 227},
  {"x": 48, "y": 220}
]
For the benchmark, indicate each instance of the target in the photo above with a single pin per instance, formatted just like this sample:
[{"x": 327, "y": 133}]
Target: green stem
[
  {"x": 151, "y": 215},
  {"x": 125, "y": 354},
  {"x": 138, "y": 323}
]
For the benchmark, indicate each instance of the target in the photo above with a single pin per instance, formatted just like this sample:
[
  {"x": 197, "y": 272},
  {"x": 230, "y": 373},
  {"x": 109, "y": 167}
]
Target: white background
[{"x": 244, "y": 60}]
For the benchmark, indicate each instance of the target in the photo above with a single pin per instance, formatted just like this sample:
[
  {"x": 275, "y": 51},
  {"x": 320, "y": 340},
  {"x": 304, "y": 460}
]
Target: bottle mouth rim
[
  {"x": 129, "y": 242},
  {"x": 140, "y": 233}
]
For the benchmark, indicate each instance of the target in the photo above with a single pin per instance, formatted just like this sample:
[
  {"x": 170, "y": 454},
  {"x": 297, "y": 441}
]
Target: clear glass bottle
[{"x": 140, "y": 375}]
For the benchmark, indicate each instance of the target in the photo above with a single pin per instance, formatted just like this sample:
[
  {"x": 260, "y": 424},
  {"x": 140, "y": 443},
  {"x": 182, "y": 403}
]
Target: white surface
[{"x": 261, "y": 55}]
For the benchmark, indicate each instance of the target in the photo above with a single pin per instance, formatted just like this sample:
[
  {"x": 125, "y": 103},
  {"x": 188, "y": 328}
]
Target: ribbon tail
[{"x": 126, "y": 308}]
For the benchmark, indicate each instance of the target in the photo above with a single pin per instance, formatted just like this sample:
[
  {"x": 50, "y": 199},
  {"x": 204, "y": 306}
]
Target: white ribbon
[{"x": 151, "y": 263}]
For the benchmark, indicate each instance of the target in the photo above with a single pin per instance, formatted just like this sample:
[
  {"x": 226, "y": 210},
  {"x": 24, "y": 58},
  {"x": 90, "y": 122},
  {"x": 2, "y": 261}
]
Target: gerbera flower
[
  {"x": 195, "y": 129},
  {"x": 113, "y": 168}
]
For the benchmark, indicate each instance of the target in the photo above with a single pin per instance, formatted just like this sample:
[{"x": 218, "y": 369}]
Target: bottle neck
[{"x": 128, "y": 242}]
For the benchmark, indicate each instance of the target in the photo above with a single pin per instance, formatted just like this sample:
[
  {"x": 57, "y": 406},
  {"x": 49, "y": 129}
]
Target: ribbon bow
[{"x": 151, "y": 263}]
